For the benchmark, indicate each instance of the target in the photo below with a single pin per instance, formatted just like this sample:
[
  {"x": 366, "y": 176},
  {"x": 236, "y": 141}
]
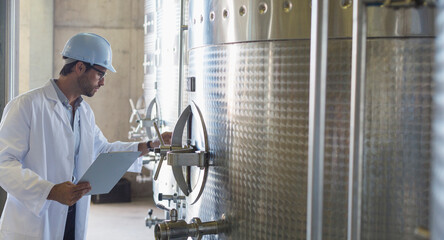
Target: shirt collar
[{"x": 62, "y": 96}]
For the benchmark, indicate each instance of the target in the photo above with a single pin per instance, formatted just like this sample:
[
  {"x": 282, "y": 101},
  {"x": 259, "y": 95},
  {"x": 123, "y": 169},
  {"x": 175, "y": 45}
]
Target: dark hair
[{"x": 67, "y": 68}]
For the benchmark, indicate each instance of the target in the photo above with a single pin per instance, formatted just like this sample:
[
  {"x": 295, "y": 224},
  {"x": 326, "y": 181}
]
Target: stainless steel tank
[
  {"x": 397, "y": 123},
  {"x": 397, "y": 148},
  {"x": 161, "y": 59},
  {"x": 150, "y": 62},
  {"x": 251, "y": 64},
  {"x": 161, "y": 79},
  {"x": 250, "y": 61},
  {"x": 167, "y": 57}
]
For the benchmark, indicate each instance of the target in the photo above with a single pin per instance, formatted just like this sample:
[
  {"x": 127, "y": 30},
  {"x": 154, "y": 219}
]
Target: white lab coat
[{"x": 37, "y": 152}]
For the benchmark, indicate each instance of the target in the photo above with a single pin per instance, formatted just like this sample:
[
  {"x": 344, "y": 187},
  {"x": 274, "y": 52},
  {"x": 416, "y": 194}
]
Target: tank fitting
[
  {"x": 150, "y": 221},
  {"x": 175, "y": 229},
  {"x": 174, "y": 197}
]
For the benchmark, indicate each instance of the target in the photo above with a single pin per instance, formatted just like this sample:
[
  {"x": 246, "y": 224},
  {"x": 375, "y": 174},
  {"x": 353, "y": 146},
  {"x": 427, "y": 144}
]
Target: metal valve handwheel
[
  {"x": 145, "y": 126},
  {"x": 191, "y": 160},
  {"x": 156, "y": 119}
]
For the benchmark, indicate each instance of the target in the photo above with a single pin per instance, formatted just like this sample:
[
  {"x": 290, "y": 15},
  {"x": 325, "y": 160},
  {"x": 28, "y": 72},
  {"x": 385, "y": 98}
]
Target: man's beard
[{"x": 86, "y": 88}]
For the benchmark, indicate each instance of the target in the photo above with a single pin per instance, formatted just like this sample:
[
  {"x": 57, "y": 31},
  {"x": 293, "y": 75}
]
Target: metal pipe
[
  {"x": 318, "y": 76},
  {"x": 11, "y": 84},
  {"x": 171, "y": 230},
  {"x": 182, "y": 28},
  {"x": 357, "y": 120},
  {"x": 181, "y": 230},
  {"x": 206, "y": 228}
]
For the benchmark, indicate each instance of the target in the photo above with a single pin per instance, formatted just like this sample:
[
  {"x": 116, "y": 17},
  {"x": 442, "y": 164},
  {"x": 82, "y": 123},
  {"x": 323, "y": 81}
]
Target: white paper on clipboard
[{"x": 106, "y": 171}]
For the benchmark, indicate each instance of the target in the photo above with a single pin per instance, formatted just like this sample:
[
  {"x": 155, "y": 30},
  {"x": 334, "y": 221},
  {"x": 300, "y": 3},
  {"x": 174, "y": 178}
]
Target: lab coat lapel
[{"x": 58, "y": 106}]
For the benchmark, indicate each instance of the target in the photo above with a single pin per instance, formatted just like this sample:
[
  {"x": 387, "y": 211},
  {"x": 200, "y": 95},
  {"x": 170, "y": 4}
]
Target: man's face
[{"x": 91, "y": 80}]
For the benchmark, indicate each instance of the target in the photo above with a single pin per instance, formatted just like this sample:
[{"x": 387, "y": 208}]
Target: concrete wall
[
  {"x": 120, "y": 22},
  {"x": 36, "y": 43}
]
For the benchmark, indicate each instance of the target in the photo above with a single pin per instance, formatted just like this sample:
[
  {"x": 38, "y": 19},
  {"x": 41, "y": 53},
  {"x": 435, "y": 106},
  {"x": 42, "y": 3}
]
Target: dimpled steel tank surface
[{"x": 251, "y": 65}]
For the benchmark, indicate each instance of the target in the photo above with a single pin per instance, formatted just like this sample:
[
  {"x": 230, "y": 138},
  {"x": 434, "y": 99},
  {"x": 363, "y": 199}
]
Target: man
[{"x": 48, "y": 138}]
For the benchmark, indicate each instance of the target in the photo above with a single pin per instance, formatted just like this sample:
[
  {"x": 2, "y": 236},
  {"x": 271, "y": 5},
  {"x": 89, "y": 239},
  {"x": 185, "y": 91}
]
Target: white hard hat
[{"x": 90, "y": 48}]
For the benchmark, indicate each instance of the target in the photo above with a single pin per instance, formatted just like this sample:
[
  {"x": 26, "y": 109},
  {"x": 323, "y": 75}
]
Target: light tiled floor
[{"x": 122, "y": 221}]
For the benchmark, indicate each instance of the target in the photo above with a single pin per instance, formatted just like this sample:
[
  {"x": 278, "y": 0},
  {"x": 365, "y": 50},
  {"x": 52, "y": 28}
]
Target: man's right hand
[
  {"x": 166, "y": 136},
  {"x": 68, "y": 193}
]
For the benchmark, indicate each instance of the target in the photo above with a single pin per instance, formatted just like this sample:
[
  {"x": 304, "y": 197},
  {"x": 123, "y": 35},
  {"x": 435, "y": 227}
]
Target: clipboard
[{"x": 106, "y": 170}]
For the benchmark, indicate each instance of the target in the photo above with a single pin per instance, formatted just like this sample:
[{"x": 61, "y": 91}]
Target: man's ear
[{"x": 80, "y": 67}]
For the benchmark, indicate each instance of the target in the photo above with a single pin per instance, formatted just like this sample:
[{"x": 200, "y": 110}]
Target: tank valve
[
  {"x": 175, "y": 229},
  {"x": 174, "y": 197},
  {"x": 150, "y": 221}
]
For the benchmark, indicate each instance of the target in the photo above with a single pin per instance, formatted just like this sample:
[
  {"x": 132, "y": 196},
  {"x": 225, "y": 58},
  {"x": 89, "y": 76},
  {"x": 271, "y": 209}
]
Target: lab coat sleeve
[
  {"x": 101, "y": 145},
  {"x": 22, "y": 183}
]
